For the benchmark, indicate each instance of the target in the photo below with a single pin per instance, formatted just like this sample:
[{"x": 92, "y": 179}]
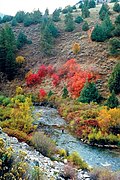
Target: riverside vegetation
[{"x": 91, "y": 116}]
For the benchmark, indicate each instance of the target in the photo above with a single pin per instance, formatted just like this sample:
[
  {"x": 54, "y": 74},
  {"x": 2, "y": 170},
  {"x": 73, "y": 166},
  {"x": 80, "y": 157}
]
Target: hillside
[{"x": 93, "y": 55}]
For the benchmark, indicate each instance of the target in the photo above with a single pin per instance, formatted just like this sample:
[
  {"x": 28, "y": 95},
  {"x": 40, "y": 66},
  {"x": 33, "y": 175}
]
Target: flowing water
[{"x": 49, "y": 120}]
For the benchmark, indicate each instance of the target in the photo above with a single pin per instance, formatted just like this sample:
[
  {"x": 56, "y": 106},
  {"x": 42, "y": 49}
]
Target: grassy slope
[{"x": 92, "y": 55}]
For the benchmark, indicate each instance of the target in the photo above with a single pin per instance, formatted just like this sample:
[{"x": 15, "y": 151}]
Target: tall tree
[{"x": 7, "y": 49}]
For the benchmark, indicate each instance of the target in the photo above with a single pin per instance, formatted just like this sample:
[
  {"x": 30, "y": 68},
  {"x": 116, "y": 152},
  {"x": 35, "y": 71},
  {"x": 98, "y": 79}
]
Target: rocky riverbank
[{"x": 52, "y": 169}]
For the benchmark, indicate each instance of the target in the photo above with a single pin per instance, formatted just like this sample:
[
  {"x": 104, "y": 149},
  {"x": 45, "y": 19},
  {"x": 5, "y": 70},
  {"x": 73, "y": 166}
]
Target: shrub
[
  {"x": 114, "y": 46},
  {"x": 1, "y": 99},
  {"x": 43, "y": 144},
  {"x": 37, "y": 174},
  {"x": 112, "y": 101},
  {"x": 7, "y": 18},
  {"x": 77, "y": 161},
  {"x": 89, "y": 93},
  {"x": 42, "y": 94},
  {"x": 20, "y": 59},
  {"x": 78, "y": 19},
  {"x": 76, "y": 48},
  {"x": 62, "y": 153},
  {"x": 65, "y": 11},
  {"x": 6, "y": 101},
  {"x": 92, "y": 4},
  {"x": 104, "y": 174},
  {"x": 20, "y": 15},
  {"x": 116, "y": 7},
  {"x": 14, "y": 22},
  {"x": 22, "y": 40},
  {"x": 69, "y": 172},
  {"x": 85, "y": 26},
  {"x": 114, "y": 79}
]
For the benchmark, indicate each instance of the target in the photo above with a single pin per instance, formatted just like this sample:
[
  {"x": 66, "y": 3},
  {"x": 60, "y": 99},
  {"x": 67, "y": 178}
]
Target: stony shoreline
[{"x": 51, "y": 169}]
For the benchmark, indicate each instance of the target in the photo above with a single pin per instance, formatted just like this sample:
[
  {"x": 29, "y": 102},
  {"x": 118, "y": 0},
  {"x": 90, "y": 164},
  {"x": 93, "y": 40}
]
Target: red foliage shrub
[
  {"x": 56, "y": 79},
  {"x": 93, "y": 123},
  {"x": 42, "y": 93},
  {"x": 32, "y": 79}
]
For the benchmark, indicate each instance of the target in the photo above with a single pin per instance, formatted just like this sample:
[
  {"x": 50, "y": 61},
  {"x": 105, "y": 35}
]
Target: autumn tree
[{"x": 114, "y": 79}]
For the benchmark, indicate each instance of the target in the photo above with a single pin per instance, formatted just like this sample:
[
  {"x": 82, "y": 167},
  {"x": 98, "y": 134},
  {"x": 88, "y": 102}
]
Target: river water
[{"x": 49, "y": 120}]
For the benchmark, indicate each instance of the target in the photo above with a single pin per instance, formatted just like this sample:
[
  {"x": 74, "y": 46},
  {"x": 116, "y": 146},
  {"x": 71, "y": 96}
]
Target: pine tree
[
  {"x": 85, "y": 11},
  {"x": 114, "y": 80},
  {"x": 65, "y": 93},
  {"x": 69, "y": 23},
  {"x": 78, "y": 19},
  {"x": 89, "y": 93},
  {"x": 112, "y": 101},
  {"x": 85, "y": 26},
  {"x": 56, "y": 15},
  {"x": 103, "y": 11},
  {"x": 114, "y": 46},
  {"x": 46, "y": 41},
  {"x": 116, "y": 7},
  {"x": 107, "y": 26},
  {"x": 98, "y": 34},
  {"x": 7, "y": 52},
  {"x": 92, "y": 4}
]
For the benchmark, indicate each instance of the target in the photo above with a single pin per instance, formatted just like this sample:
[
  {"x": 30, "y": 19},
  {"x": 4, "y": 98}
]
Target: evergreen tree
[
  {"x": 22, "y": 40},
  {"x": 114, "y": 46},
  {"x": 103, "y": 11},
  {"x": 69, "y": 23},
  {"x": 85, "y": 11},
  {"x": 116, "y": 7},
  {"x": 117, "y": 20},
  {"x": 7, "y": 52},
  {"x": 85, "y": 26},
  {"x": 107, "y": 26},
  {"x": 46, "y": 12},
  {"x": 114, "y": 80},
  {"x": 112, "y": 101},
  {"x": 20, "y": 16},
  {"x": 36, "y": 17},
  {"x": 56, "y": 15},
  {"x": 89, "y": 93},
  {"x": 65, "y": 93},
  {"x": 92, "y": 4},
  {"x": 98, "y": 34},
  {"x": 46, "y": 41},
  {"x": 78, "y": 19},
  {"x": 14, "y": 22}
]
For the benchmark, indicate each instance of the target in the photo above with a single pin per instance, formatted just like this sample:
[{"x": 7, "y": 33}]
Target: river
[{"x": 49, "y": 120}]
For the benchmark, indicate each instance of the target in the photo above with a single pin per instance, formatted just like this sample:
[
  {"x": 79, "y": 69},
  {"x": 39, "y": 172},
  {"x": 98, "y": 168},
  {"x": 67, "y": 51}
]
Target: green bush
[
  {"x": 22, "y": 40},
  {"x": 65, "y": 93},
  {"x": 7, "y": 18},
  {"x": 78, "y": 19},
  {"x": 92, "y": 4},
  {"x": 114, "y": 46},
  {"x": 112, "y": 101},
  {"x": 6, "y": 101},
  {"x": 14, "y": 22},
  {"x": 20, "y": 15},
  {"x": 77, "y": 161},
  {"x": 43, "y": 144},
  {"x": 85, "y": 26},
  {"x": 1, "y": 99}
]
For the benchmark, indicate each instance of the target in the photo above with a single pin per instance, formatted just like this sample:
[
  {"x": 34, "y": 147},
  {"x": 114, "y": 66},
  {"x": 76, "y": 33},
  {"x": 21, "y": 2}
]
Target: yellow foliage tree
[
  {"x": 76, "y": 48},
  {"x": 20, "y": 59}
]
